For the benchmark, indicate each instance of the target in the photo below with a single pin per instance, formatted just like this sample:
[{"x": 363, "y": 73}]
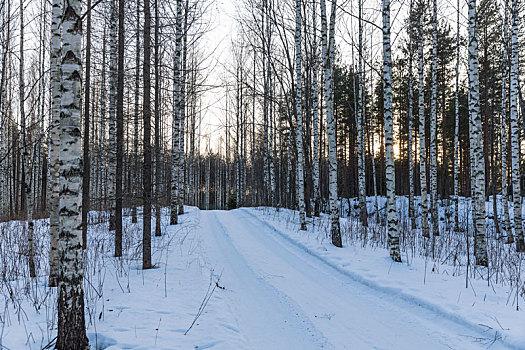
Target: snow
[{"x": 260, "y": 283}]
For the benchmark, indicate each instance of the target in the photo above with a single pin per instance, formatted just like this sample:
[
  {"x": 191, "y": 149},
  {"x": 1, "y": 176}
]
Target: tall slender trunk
[
  {"x": 120, "y": 132},
  {"x": 410, "y": 122},
  {"x": 372, "y": 137},
  {"x": 456, "y": 129},
  {"x": 146, "y": 227},
  {"x": 26, "y": 148},
  {"x": 363, "y": 214},
  {"x": 393, "y": 234},
  {"x": 71, "y": 323},
  {"x": 504, "y": 134},
  {"x": 87, "y": 90},
  {"x": 54, "y": 190},
  {"x": 112, "y": 154},
  {"x": 103, "y": 141},
  {"x": 182, "y": 158},
  {"x": 515, "y": 129},
  {"x": 422, "y": 138},
  {"x": 327, "y": 34},
  {"x": 433, "y": 121},
  {"x": 315, "y": 109},
  {"x": 299, "y": 114},
  {"x": 476, "y": 142},
  {"x": 135, "y": 181},
  {"x": 157, "y": 120},
  {"x": 175, "y": 154}
]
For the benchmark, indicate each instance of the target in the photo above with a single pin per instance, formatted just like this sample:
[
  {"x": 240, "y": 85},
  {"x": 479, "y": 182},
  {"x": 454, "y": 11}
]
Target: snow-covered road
[{"x": 284, "y": 298}]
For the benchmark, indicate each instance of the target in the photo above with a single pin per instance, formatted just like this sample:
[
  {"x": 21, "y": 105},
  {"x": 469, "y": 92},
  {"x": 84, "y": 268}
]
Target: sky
[{"x": 216, "y": 43}]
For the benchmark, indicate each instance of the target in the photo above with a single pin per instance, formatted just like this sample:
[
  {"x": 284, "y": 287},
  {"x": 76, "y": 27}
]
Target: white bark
[
  {"x": 515, "y": 128},
  {"x": 422, "y": 141},
  {"x": 476, "y": 142},
  {"x": 393, "y": 234},
  {"x": 504, "y": 135},
  {"x": 315, "y": 110},
  {"x": 456, "y": 130},
  {"x": 328, "y": 56},
  {"x": 175, "y": 139},
  {"x": 54, "y": 161},
  {"x": 299, "y": 113},
  {"x": 71, "y": 327},
  {"x": 112, "y": 154},
  {"x": 363, "y": 215},
  {"x": 410, "y": 123},
  {"x": 433, "y": 121}
]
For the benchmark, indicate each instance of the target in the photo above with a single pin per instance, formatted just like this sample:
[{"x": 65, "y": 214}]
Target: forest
[{"x": 143, "y": 142}]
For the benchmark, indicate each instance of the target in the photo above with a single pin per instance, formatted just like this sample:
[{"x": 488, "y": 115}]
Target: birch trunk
[
  {"x": 328, "y": 47},
  {"x": 26, "y": 149},
  {"x": 515, "y": 129},
  {"x": 372, "y": 136},
  {"x": 135, "y": 181},
  {"x": 422, "y": 139},
  {"x": 476, "y": 142},
  {"x": 71, "y": 323},
  {"x": 120, "y": 131},
  {"x": 175, "y": 154},
  {"x": 157, "y": 121},
  {"x": 363, "y": 215},
  {"x": 112, "y": 154},
  {"x": 299, "y": 113},
  {"x": 393, "y": 235},
  {"x": 410, "y": 123},
  {"x": 54, "y": 190},
  {"x": 433, "y": 121},
  {"x": 183, "y": 108},
  {"x": 504, "y": 135},
  {"x": 146, "y": 194},
  {"x": 315, "y": 108},
  {"x": 456, "y": 130},
  {"x": 86, "y": 170}
]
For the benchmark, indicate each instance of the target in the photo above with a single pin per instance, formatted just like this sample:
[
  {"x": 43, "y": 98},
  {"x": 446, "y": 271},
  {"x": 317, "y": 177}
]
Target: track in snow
[{"x": 284, "y": 298}]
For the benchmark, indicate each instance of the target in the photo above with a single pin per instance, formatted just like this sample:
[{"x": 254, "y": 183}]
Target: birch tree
[
  {"x": 26, "y": 149},
  {"x": 120, "y": 131},
  {"x": 422, "y": 138},
  {"x": 393, "y": 234},
  {"x": 433, "y": 122},
  {"x": 476, "y": 142},
  {"x": 361, "y": 127},
  {"x": 456, "y": 128},
  {"x": 54, "y": 190},
  {"x": 146, "y": 194},
  {"x": 112, "y": 148},
  {"x": 136, "y": 116},
  {"x": 504, "y": 135},
  {"x": 410, "y": 121},
  {"x": 299, "y": 113},
  {"x": 71, "y": 323},
  {"x": 315, "y": 111},
  {"x": 176, "y": 119},
  {"x": 327, "y": 37},
  {"x": 86, "y": 158},
  {"x": 515, "y": 128}
]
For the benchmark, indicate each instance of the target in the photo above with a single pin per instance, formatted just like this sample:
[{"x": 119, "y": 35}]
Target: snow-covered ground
[{"x": 249, "y": 279}]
